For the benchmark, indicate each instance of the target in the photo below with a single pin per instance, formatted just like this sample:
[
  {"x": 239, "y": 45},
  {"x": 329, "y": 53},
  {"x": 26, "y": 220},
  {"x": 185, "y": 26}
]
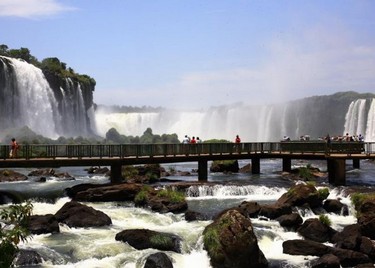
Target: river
[{"x": 97, "y": 247}]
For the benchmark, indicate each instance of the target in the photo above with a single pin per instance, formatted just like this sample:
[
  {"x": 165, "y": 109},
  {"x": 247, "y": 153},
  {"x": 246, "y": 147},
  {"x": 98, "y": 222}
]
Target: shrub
[
  {"x": 173, "y": 196},
  {"x": 13, "y": 220},
  {"x": 323, "y": 193},
  {"x": 325, "y": 220},
  {"x": 305, "y": 173}
]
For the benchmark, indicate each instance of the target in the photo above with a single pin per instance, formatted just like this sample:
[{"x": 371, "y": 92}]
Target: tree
[{"x": 13, "y": 220}]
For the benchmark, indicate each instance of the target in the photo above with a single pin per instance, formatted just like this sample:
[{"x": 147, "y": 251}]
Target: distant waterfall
[
  {"x": 370, "y": 130},
  {"x": 27, "y": 99},
  {"x": 360, "y": 119}
]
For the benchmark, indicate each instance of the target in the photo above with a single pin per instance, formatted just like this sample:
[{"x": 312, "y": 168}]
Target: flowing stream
[{"x": 97, "y": 247}]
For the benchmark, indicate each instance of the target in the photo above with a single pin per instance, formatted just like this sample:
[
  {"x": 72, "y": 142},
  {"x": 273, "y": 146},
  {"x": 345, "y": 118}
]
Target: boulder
[
  {"x": 315, "y": 230},
  {"x": 326, "y": 261},
  {"x": 27, "y": 258},
  {"x": 10, "y": 175},
  {"x": 158, "y": 260},
  {"x": 144, "y": 238},
  {"x": 43, "y": 224},
  {"x": 249, "y": 209},
  {"x": 195, "y": 216},
  {"x": 299, "y": 195},
  {"x": 335, "y": 206},
  {"x": 273, "y": 211},
  {"x": 98, "y": 170},
  {"x": 230, "y": 242},
  {"x": 225, "y": 166},
  {"x": 75, "y": 214},
  {"x": 290, "y": 221},
  {"x": 7, "y": 197},
  {"x": 115, "y": 192}
]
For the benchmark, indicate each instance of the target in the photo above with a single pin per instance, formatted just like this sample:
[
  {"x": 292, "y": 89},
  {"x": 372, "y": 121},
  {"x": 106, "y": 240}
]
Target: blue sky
[{"x": 196, "y": 54}]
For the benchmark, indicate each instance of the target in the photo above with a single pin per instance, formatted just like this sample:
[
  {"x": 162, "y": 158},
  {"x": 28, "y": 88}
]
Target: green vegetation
[
  {"x": 216, "y": 141},
  {"x": 305, "y": 173},
  {"x": 323, "y": 193},
  {"x": 359, "y": 198},
  {"x": 173, "y": 196},
  {"x": 142, "y": 196},
  {"x": 48, "y": 65},
  {"x": 128, "y": 172},
  {"x": 13, "y": 220},
  {"x": 161, "y": 241},
  {"x": 325, "y": 220},
  {"x": 113, "y": 136},
  {"x": 211, "y": 237}
]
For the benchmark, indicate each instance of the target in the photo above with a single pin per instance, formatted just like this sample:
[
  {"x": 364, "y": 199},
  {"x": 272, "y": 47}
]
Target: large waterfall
[
  {"x": 360, "y": 118},
  {"x": 28, "y": 99},
  {"x": 313, "y": 117}
]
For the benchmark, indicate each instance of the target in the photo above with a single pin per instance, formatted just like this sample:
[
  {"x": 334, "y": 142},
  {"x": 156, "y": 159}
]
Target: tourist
[
  {"x": 238, "y": 139},
  {"x": 238, "y": 146},
  {"x": 361, "y": 138},
  {"x": 186, "y": 139},
  {"x": 199, "y": 140},
  {"x": 14, "y": 148},
  {"x": 193, "y": 140}
]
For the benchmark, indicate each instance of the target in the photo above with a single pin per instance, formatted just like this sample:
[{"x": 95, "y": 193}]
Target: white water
[
  {"x": 358, "y": 121},
  {"x": 97, "y": 247},
  {"x": 35, "y": 102}
]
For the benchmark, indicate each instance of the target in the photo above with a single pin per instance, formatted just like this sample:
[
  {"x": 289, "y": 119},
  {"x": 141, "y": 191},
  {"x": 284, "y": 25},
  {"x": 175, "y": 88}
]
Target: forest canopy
[{"x": 50, "y": 65}]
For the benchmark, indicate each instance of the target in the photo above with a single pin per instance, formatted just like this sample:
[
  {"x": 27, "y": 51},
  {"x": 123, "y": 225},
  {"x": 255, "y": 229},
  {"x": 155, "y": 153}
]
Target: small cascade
[{"x": 225, "y": 191}]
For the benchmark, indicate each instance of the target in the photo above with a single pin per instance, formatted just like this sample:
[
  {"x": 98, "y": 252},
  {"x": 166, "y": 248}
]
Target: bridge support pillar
[
  {"x": 336, "y": 171},
  {"x": 356, "y": 164},
  {"x": 202, "y": 170},
  {"x": 255, "y": 165},
  {"x": 287, "y": 164},
  {"x": 116, "y": 174}
]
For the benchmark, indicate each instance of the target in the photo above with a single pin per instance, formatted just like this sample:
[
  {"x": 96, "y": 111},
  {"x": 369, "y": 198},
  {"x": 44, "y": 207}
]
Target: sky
[{"x": 193, "y": 54}]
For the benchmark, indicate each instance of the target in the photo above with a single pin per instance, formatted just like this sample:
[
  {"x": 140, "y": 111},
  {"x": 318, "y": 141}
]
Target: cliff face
[{"x": 45, "y": 102}]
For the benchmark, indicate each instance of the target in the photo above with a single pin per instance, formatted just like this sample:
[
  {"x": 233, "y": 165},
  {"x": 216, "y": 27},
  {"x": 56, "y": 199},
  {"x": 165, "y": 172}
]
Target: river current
[{"x": 97, "y": 247}]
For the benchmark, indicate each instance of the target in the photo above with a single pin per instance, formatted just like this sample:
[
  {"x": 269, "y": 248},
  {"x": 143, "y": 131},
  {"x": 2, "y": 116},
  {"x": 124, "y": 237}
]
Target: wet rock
[
  {"x": 291, "y": 221},
  {"x": 326, "y": 261},
  {"x": 301, "y": 194},
  {"x": 335, "y": 206},
  {"x": 98, "y": 170},
  {"x": 249, "y": 209},
  {"x": 27, "y": 258},
  {"x": 10, "y": 175},
  {"x": 230, "y": 242},
  {"x": 75, "y": 214},
  {"x": 7, "y": 197},
  {"x": 273, "y": 211},
  {"x": 195, "y": 216},
  {"x": 43, "y": 224},
  {"x": 144, "y": 238},
  {"x": 315, "y": 230},
  {"x": 225, "y": 166},
  {"x": 158, "y": 260},
  {"x": 115, "y": 192}
]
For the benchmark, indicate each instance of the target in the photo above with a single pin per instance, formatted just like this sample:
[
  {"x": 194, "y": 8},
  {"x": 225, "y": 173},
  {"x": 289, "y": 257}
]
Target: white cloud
[{"x": 31, "y": 8}]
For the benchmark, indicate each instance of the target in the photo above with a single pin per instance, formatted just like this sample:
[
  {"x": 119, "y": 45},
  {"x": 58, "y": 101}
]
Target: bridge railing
[{"x": 30, "y": 151}]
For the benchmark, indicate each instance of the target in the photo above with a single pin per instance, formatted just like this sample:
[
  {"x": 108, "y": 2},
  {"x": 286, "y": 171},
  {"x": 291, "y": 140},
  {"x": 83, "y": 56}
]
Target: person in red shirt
[
  {"x": 14, "y": 148},
  {"x": 193, "y": 140},
  {"x": 238, "y": 139}
]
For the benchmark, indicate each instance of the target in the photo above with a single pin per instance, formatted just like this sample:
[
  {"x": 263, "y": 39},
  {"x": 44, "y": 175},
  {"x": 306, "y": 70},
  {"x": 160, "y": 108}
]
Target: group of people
[
  {"x": 193, "y": 140},
  {"x": 346, "y": 137}
]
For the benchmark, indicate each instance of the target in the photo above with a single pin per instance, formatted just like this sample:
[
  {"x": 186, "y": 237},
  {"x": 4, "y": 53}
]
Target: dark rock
[
  {"x": 195, "y": 216},
  {"x": 245, "y": 169},
  {"x": 7, "y": 197},
  {"x": 115, "y": 192},
  {"x": 335, "y": 206},
  {"x": 326, "y": 261},
  {"x": 304, "y": 247},
  {"x": 42, "y": 172},
  {"x": 10, "y": 175},
  {"x": 293, "y": 220},
  {"x": 43, "y": 224},
  {"x": 299, "y": 195},
  {"x": 366, "y": 220},
  {"x": 225, "y": 166},
  {"x": 75, "y": 214},
  {"x": 27, "y": 258},
  {"x": 143, "y": 239},
  {"x": 349, "y": 238},
  {"x": 315, "y": 230},
  {"x": 273, "y": 211},
  {"x": 72, "y": 191},
  {"x": 249, "y": 209},
  {"x": 98, "y": 170},
  {"x": 230, "y": 242},
  {"x": 158, "y": 260},
  {"x": 350, "y": 258}
]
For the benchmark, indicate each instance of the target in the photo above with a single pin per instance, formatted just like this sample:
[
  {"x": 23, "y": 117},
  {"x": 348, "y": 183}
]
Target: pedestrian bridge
[{"x": 117, "y": 155}]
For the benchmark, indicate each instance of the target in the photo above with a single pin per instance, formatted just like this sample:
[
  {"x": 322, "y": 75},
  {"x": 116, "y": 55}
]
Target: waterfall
[
  {"x": 28, "y": 99},
  {"x": 370, "y": 129},
  {"x": 361, "y": 120}
]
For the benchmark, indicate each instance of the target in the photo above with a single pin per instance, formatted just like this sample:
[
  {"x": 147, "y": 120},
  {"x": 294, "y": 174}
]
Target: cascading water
[
  {"x": 28, "y": 99},
  {"x": 370, "y": 129},
  {"x": 359, "y": 119}
]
